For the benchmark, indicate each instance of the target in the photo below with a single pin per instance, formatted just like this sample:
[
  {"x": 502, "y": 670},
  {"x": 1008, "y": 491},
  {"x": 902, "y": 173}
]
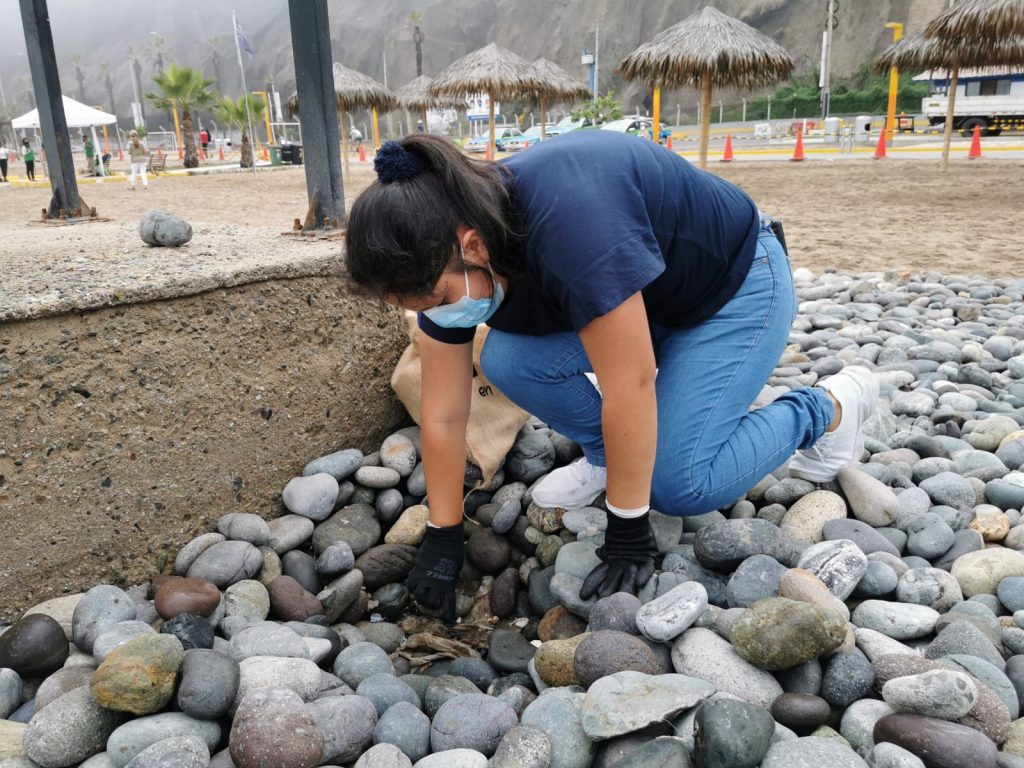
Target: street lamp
[{"x": 894, "y": 84}]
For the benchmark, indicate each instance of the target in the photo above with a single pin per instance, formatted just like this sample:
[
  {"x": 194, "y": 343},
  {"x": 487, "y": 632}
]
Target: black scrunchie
[{"x": 395, "y": 163}]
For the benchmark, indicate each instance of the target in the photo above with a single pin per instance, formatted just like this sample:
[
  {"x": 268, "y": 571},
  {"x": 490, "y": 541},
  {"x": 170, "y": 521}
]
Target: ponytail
[{"x": 403, "y": 229}]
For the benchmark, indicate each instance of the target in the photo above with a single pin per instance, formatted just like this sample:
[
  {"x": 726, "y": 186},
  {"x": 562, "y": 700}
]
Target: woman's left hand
[{"x": 628, "y": 557}]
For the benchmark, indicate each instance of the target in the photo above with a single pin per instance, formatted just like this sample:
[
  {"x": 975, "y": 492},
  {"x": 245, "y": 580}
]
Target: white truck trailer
[{"x": 991, "y": 98}]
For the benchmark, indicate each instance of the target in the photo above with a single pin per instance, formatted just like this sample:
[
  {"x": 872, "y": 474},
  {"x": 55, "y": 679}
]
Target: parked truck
[{"x": 991, "y": 99}]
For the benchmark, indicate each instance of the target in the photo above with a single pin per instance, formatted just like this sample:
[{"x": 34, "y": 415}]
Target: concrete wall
[{"x": 127, "y": 430}]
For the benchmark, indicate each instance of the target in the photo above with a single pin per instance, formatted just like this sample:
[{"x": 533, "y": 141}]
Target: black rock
[
  {"x": 509, "y": 651},
  {"x": 301, "y": 567},
  {"x": 193, "y": 631},
  {"x": 392, "y": 601},
  {"x": 385, "y": 564},
  {"x": 34, "y": 646},
  {"x": 504, "y": 593},
  {"x": 478, "y": 671},
  {"x": 939, "y": 743},
  {"x": 802, "y": 712},
  {"x": 488, "y": 551},
  {"x": 848, "y": 677},
  {"x": 727, "y": 732},
  {"x": 539, "y": 589}
]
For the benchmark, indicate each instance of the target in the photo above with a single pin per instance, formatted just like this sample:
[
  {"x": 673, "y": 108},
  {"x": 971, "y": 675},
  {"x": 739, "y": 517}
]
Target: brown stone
[
  {"x": 800, "y": 584},
  {"x": 290, "y": 601},
  {"x": 554, "y": 661},
  {"x": 558, "y": 624},
  {"x": 992, "y": 526},
  {"x": 186, "y": 595},
  {"x": 940, "y": 743},
  {"x": 139, "y": 676}
]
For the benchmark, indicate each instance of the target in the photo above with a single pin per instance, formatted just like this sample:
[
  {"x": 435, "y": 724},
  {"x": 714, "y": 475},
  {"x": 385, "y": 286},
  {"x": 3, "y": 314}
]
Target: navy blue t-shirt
[{"x": 608, "y": 214}]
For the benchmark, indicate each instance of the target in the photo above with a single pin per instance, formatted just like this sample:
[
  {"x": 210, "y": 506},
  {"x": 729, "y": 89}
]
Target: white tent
[{"x": 77, "y": 115}]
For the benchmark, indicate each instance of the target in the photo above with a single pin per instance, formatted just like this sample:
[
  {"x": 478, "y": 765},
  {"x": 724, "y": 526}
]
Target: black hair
[{"x": 403, "y": 229}]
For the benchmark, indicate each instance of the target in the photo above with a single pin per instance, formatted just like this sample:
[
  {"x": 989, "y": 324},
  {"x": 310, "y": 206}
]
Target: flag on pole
[{"x": 243, "y": 41}]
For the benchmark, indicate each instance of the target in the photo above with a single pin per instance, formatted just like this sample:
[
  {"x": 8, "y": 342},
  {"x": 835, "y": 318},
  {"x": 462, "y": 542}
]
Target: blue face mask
[{"x": 467, "y": 312}]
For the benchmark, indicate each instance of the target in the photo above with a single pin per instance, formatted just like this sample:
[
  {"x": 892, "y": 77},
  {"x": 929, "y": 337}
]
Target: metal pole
[
  {"x": 46, "y": 83},
  {"x": 894, "y": 86},
  {"x": 744, "y": 109},
  {"x": 769, "y": 117},
  {"x": 597, "y": 43},
  {"x": 678, "y": 107},
  {"x": 827, "y": 92},
  {"x": 311, "y": 49},
  {"x": 245, "y": 91}
]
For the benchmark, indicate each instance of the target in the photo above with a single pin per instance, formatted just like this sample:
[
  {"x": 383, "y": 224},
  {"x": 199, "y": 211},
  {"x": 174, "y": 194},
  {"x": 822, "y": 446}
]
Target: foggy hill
[{"x": 97, "y": 38}]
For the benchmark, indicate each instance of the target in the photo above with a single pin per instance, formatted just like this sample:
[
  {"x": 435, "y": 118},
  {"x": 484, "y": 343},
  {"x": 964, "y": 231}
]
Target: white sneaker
[
  {"x": 857, "y": 392},
  {"x": 572, "y": 486}
]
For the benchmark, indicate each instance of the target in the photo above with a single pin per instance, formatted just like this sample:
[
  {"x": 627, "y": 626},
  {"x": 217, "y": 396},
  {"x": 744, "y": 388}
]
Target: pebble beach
[{"x": 874, "y": 621}]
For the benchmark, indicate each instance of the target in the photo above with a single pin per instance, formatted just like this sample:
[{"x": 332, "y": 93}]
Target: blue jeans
[{"x": 711, "y": 448}]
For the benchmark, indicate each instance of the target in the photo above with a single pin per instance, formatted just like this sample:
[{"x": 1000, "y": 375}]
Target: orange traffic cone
[
  {"x": 120, "y": 154},
  {"x": 362, "y": 154},
  {"x": 975, "y": 152},
  {"x": 266, "y": 155},
  {"x": 798, "y": 151},
  {"x": 727, "y": 155},
  {"x": 220, "y": 155},
  {"x": 668, "y": 144},
  {"x": 181, "y": 153},
  {"x": 159, "y": 153},
  {"x": 880, "y": 149},
  {"x": 202, "y": 155}
]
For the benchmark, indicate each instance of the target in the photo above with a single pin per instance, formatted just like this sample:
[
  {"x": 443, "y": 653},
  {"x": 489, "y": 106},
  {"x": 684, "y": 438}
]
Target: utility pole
[
  {"x": 597, "y": 57},
  {"x": 825, "y": 82}
]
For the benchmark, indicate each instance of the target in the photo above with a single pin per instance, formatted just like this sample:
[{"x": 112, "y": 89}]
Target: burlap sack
[{"x": 494, "y": 420}]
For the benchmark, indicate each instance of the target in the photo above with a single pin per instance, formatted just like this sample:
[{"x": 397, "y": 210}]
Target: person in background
[
  {"x": 204, "y": 140},
  {"x": 4, "y": 152},
  {"x": 90, "y": 154},
  {"x": 139, "y": 155},
  {"x": 29, "y": 156},
  {"x": 356, "y": 137}
]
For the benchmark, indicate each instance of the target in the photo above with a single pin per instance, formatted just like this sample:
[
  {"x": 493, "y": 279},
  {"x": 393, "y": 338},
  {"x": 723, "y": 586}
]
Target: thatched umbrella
[
  {"x": 708, "y": 49},
  {"x": 414, "y": 96},
  {"x": 916, "y": 51},
  {"x": 354, "y": 90},
  {"x": 988, "y": 19},
  {"x": 560, "y": 86},
  {"x": 492, "y": 70}
]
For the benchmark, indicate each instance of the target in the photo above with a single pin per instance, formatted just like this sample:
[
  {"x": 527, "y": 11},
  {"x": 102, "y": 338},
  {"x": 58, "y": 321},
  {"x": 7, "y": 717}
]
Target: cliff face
[{"x": 199, "y": 33}]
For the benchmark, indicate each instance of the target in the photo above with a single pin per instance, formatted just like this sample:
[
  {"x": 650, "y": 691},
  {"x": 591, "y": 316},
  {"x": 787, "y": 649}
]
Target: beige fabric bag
[{"x": 494, "y": 420}]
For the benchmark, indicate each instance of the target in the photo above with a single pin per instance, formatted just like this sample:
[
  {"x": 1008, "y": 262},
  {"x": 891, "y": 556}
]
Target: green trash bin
[{"x": 275, "y": 154}]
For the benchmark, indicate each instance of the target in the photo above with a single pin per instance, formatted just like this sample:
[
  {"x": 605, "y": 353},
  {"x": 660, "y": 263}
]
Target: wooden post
[
  {"x": 705, "y": 119},
  {"x": 656, "y": 130},
  {"x": 376, "y": 129},
  {"x": 344, "y": 137},
  {"x": 492, "y": 150},
  {"x": 426, "y": 125},
  {"x": 947, "y": 134},
  {"x": 543, "y": 118}
]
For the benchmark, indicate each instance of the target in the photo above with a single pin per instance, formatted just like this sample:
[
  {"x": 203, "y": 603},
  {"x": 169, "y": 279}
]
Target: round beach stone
[
  {"x": 471, "y": 721},
  {"x": 34, "y": 646},
  {"x": 488, "y": 551},
  {"x": 848, "y": 677},
  {"x": 385, "y": 564},
  {"x": 186, "y": 595},
  {"x": 723, "y": 546},
  {"x": 267, "y": 638},
  {"x": 100, "y": 606},
  {"x": 359, "y": 661},
  {"x": 868, "y": 539},
  {"x": 801, "y": 712},
  {"x": 963, "y": 637},
  {"x": 932, "y": 587},
  {"x": 454, "y": 758},
  {"x": 811, "y": 752},
  {"x": 410, "y": 528},
  {"x": 615, "y": 612},
  {"x": 339, "y": 465},
  {"x": 703, "y": 654},
  {"x": 755, "y": 579},
  {"x": 944, "y": 744},
  {"x": 273, "y": 727},
  {"x": 732, "y": 733},
  {"x": 839, "y": 564},
  {"x": 356, "y": 524},
  {"x": 531, "y": 456},
  {"x": 980, "y": 572},
  {"x": 900, "y": 621},
  {"x": 940, "y": 693},
  {"x": 858, "y": 723},
  {"x": 949, "y": 489},
  {"x": 802, "y": 585},
  {"x": 192, "y": 550},
  {"x": 311, "y": 496},
  {"x": 300, "y": 676},
  {"x": 384, "y": 690},
  {"x": 871, "y": 501},
  {"x": 288, "y": 532},
  {"x": 347, "y": 724},
  {"x": 558, "y": 714},
  {"x": 69, "y": 730},
  {"x": 879, "y": 580},
  {"x": 607, "y": 651},
  {"x": 134, "y": 737},
  {"x": 929, "y": 536},
  {"x": 398, "y": 452},
  {"x": 335, "y": 560},
  {"x": 225, "y": 563},
  {"x": 807, "y": 517},
  {"x": 209, "y": 682},
  {"x": 192, "y": 631},
  {"x": 668, "y": 616},
  {"x": 244, "y": 526},
  {"x": 139, "y": 676},
  {"x": 173, "y": 752},
  {"x": 377, "y": 477},
  {"x": 247, "y": 598},
  {"x": 886, "y": 755},
  {"x": 383, "y": 756},
  {"x": 60, "y": 682},
  {"x": 554, "y": 661},
  {"x": 778, "y": 633},
  {"x": 289, "y": 601},
  {"x": 522, "y": 747},
  {"x": 405, "y": 726}
]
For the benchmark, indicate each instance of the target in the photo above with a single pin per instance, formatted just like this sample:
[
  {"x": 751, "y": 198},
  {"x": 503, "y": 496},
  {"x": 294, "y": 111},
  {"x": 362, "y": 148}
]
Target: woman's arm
[
  {"x": 620, "y": 349},
  {"x": 446, "y": 389}
]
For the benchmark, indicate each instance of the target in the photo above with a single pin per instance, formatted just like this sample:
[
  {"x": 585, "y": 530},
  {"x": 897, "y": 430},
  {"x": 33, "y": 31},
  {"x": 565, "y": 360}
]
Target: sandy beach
[{"x": 855, "y": 216}]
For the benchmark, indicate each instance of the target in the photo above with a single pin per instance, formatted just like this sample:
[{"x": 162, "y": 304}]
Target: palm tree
[
  {"x": 183, "y": 88},
  {"x": 416, "y": 18},
  {"x": 215, "y": 60},
  {"x": 232, "y": 112},
  {"x": 80, "y": 77}
]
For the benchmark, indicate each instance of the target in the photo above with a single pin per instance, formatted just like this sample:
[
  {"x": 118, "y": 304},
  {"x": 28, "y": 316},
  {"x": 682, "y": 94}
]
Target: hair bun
[{"x": 395, "y": 163}]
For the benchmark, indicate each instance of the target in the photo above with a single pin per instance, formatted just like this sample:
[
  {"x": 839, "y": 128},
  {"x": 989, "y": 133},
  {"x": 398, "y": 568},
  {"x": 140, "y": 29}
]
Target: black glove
[
  {"x": 628, "y": 554},
  {"x": 438, "y": 562}
]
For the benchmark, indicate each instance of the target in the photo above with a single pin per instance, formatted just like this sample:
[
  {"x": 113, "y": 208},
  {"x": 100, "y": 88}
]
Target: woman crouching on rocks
[{"x": 597, "y": 252}]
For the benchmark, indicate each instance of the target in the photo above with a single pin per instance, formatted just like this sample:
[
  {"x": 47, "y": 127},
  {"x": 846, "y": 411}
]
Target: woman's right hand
[{"x": 438, "y": 562}]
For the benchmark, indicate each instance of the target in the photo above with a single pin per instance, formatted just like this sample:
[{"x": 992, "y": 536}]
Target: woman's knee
[
  {"x": 496, "y": 360},
  {"x": 674, "y": 493}
]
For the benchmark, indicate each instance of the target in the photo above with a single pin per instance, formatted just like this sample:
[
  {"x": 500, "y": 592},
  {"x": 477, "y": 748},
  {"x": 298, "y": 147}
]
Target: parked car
[
  {"x": 501, "y": 133},
  {"x": 528, "y": 138},
  {"x": 567, "y": 124},
  {"x": 638, "y": 126}
]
